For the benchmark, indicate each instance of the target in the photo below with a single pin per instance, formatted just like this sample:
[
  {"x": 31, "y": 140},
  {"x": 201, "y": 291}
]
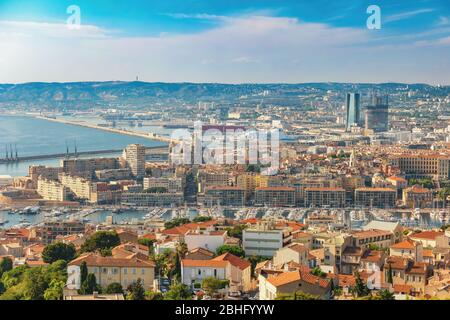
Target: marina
[{"x": 352, "y": 219}]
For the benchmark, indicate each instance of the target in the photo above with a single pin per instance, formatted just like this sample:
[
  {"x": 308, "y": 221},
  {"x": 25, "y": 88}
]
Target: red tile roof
[
  {"x": 407, "y": 244},
  {"x": 427, "y": 235},
  {"x": 93, "y": 259},
  {"x": 234, "y": 260}
]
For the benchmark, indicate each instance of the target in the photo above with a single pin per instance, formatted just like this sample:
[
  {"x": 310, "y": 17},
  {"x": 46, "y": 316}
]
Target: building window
[
  {"x": 215, "y": 273},
  {"x": 105, "y": 270},
  {"x": 134, "y": 270},
  {"x": 125, "y": 270},
  {"x": 142, "y": 271}
]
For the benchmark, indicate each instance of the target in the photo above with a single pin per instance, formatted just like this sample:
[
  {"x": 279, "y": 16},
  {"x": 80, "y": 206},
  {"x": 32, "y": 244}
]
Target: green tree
[
  {"x": 235, "y": 250},
  {"x": 14, "y": 276},
  {"x": 58, "y": 251},
  {"x": 236, "y": 231},
  {"x": 136, "y": 291},
  {"x": 180, "y": 252},
  {"x": 55, "y": 290},
  {"x": 299, "y": 295},
  {"x": 83, "y": 272},
  {"x": 178, "y": 291},
  {"x": 318, "y": 272},
  {"x": 89, "y": 286},
  {"x": 148, "y": 243},
  {"x": 114, "y": 288},
  {"x": 151, "y": 295},
  {"x": 254, "y": 260},
  {"x": 386, "y": 295},
  {"x": 211, "y": 285},
  {"x": 202, "y": 219},
  {"x": 25, "y": 283},
  {"x": 360, "y": 289},
  {"x": 390, "y": 278},
  {"x": 36, "y": 284},
  {"x": 5, "y": 265},
  {"x": 101, "y": 240},
  {"x": 176, "y": 222}
]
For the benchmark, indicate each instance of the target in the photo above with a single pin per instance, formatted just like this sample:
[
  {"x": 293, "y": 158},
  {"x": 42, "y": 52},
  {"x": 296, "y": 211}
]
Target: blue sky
[{"x": 225, "y": 41}]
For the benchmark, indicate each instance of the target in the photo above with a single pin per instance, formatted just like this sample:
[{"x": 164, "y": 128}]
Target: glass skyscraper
[{"x": 353, "y": 103}]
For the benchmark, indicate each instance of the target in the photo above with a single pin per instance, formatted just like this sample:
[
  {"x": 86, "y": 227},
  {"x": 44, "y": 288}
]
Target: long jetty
[
  {"x": 149, "y": 151},
  {"x": 150, "y": 135}
]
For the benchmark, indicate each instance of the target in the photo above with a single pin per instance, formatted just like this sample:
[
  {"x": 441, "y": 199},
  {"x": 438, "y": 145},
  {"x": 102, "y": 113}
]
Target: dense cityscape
[
  {"x": 357, "y": 208},
  {"x": 212, "y": 159}
]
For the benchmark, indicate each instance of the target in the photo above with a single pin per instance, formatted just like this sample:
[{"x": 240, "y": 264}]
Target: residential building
[
  {"x": 425, "y": 165},
  {"x": 417, "y": 197},
  {"x": 275, "y": 196},
  {"x": 49, "y": 231},
  {"x": 209, "y": 239},
  {"x": 152, "y": 199},
  {"x": 375, "y": 197},
  {"x": 272, "y": 284},
  {"x": 52, "y": 190},
  {"x": 108, "y": 270},
  {"x": 134, "y": 155},
  {"x": 264, "y": 239},
  {"x": 293, "y": 252},
  {"x": 223, "y": 195},
  {"x": 318, "y": 197},
  {"x": 224, "y": 267},
  {"x": 171, "y": 184},
  {"x": 407, "y": 249}
]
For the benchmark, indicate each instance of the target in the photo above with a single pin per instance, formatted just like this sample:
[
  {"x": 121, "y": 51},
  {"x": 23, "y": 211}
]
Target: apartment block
[
  {"x": 52, "y": 190},
  {"x": 375, "y": 197},
  {"x": 318, "y": 197},
  {"x": 275, "y": 196}
]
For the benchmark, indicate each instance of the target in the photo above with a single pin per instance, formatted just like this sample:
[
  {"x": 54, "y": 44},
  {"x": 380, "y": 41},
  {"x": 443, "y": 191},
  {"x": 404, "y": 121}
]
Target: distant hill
[{"x": 88, "y": 94}]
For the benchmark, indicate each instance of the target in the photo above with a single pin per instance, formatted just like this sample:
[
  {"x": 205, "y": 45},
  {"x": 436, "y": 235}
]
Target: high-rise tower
[
  {"x": 353, "y": 103},
  {"x": 135, "y": 158}
]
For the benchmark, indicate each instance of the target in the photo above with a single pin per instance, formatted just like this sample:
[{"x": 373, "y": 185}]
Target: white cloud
[
  {"x": 42, "y": 29},
  {"x": 406, "y": 15},
  {"x": 242, "y": 49}
]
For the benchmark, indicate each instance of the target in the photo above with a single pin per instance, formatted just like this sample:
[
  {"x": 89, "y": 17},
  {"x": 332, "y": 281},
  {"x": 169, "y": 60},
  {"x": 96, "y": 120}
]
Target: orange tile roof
[
  {"x": 298, "y": 248},
  {"x": 427, "y": 235},
  {"x": 399, "y": 179},
  {"x": 234, "y": 260},
  {"x": 150, "y": 236},
  {"x": 398, "y": 288},
  {"x": 375, "y": 190},
  {"x": 97, "y": 260},
  {"x": 372, "y": 256},
  {"x": 279, "y": 188},
  {"x": 204, "y": 263},
  {"x": 302, "y": 274},
  {"x": 326, "y": 189},
  {"x": 407, "y": 244},
  {"x": 370, "y": 233}
]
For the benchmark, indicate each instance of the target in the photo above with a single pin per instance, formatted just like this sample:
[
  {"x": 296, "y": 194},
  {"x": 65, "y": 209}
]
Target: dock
[
  {"x": 150, "y": 135},
  {"x": 148, "y": 151}
]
